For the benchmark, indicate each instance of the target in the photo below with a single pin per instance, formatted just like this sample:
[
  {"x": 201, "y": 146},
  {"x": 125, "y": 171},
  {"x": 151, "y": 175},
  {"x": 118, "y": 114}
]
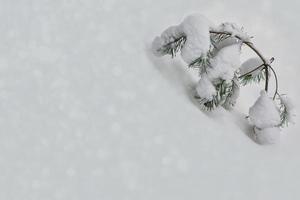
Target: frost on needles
[{"x": 215, "y": 52}]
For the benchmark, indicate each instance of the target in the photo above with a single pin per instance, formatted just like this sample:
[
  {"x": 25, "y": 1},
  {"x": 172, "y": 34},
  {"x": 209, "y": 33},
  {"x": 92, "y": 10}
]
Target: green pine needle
[
  {"x": 249, "y": 78},
  {"x": 284, "y": 113},
  {"x": 217, "y": 38},
  {"x": 174, "y": 47},
  {"x": 223, "y": 89}
]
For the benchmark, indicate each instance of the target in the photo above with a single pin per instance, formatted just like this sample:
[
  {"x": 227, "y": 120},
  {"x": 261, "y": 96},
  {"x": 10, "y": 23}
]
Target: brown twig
[{"x": 276, "y": 82}]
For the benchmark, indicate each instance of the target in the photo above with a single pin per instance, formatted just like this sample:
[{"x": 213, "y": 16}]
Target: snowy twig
[
  {"x": 216, "y": 52},
  {"x": 249, "y": 44},
  {"x": 250, "y": 72},
  {"x": 265, "y": 62},
  {"x": 256, "y": 68}
]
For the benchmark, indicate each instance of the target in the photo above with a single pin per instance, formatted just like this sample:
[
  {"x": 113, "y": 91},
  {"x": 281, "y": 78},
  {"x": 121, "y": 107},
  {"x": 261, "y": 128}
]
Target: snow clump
[
  {"x": 168, "y": 36},
  {"x": 196, "y": 30},
  {"x": 234, "y": 30},
  {"x": 265, "y": 117},
  {"x": 205, "y": 89},
  {"x": 225, "y": 63}
]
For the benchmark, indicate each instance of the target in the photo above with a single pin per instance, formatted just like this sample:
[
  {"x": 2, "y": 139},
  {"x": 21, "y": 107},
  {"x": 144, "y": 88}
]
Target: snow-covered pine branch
[
  {"x": 216, "y": 55},
  {"x": 252, "y": 71},
  {"x": 194, "y": 34},
  {"x": 215, "y": 52},
  {"x": 286, "y": 108},
  {"x": 265, "y": 116}
]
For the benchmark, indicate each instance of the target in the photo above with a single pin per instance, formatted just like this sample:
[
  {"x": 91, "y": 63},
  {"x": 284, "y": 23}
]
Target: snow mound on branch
[
  {"x": 169, "y": 35},
  {"x": 250, "y": 65},
  {"x": 205, "y": 89},
  {"x": 231, "y": 55},
  {"x": 267, "y": 135},
  {"x": 234, "y": 30},
  {"x": 266, "y": 119},
  {"x": 196, "y": 28},
  {"x": 264, "y": 113},
  {"x": 225, "y": 63},
  {"x": 220, "y": 70}
]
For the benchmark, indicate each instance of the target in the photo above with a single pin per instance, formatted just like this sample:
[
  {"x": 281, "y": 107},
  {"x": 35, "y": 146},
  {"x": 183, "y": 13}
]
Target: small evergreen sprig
[
  {"x": 201, "y": 63},
  {"x": 250, "y": 78},
  {"x": 172, "y": 48},
  {"x": 215, "y": 91},
  {"x": 224, "y": 89},
  {"x": 285, "y": 112},
  {"x": 233, "y": 94},
  {"x": 217, "y": 38}
]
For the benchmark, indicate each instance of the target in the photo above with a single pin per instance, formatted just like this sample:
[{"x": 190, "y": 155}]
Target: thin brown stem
[
  {"x": 267, "y": 78},
  {"x": 249, "y": 44},
  {"x": 276, "y": 81}
]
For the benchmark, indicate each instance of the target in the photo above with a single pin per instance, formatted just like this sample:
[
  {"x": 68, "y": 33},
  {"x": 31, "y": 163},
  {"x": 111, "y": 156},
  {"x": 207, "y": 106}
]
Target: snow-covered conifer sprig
[
  {"x": 252, "y": 71},
  {"x": 217, "y": 38},
  {"x": 215, "y": 51},
  {"x": 223, "y": 91},
  {"x": 202, "y": 63},
  {"x": 286, "y": 110},
  {"x": 250, "y": 78},
  {"x": 233, "y": 94},
  {"x": 193, "y": 37},
  {"x": 173, "y": 47},
  {"x": 234, "y": 30}
]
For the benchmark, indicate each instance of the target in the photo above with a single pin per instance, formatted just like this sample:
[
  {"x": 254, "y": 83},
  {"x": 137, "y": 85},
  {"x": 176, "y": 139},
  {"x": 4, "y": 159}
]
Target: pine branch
[
  {"x": 285, "y": 115},
  {"x": 172, "y": 48},
  {"x": 223, "y": 89},
  {"x": 217, "y": 38},
  {"x": 250, "y": 78},
  {"x": 233, "y": 94},
  {"x": 250, "y": 72},
  {"x": 201, "y": 63},
  {"x": 251, "y": 46}
]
